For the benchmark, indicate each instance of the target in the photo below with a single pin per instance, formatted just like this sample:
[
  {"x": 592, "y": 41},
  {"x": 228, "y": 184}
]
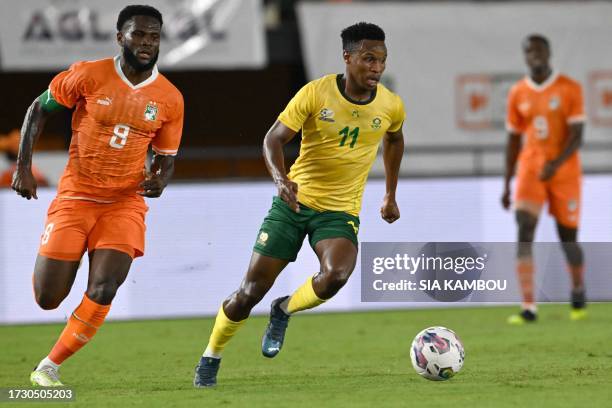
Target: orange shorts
[
  {"x": 74, "y": 226},
  {"x": 562, "y": 192}
]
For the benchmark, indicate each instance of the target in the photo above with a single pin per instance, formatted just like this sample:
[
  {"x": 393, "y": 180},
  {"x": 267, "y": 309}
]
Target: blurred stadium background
[{"x": 237, "y": 63}]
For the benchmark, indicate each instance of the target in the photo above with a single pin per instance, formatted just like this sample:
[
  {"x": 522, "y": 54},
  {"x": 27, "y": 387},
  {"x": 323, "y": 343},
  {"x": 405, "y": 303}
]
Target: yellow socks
[
  {"x": 222, "y": 332},
  {"x": 303, "y": 298}
]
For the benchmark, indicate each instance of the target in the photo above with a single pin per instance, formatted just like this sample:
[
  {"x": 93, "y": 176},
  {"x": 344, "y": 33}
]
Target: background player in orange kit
[
  {"x": 548, "y": 108},
  {"x": 122, "y": 105},
  {"x": 9, "y": 144}
]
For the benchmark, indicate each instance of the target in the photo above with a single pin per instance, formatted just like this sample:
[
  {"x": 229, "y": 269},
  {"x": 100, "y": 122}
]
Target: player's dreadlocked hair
[
  {"x": 535, "y": 37},
  {"x": 137, "y": 10},
  {"x": 353, "y": 35}
]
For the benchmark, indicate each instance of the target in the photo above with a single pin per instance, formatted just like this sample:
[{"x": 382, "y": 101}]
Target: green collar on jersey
[{"x": 348, "y": 98}]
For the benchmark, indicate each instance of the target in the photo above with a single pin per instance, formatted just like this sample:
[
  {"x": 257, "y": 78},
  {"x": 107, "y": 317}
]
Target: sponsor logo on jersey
[
  {"x": 524, "y": 106},
  {"x": 572, "y": 205},
  {"x": 376, "y": 123},
  {"x": 326, "y": 115},
  {"x": 355, "y": 113},
  {"x": 554, "y": 102},
  {"x": 107, "y": 101},
  {"x": 150, "y": 111}
]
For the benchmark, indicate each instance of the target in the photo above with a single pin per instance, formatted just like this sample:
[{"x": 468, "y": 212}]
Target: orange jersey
[
  {"x": 113, "y": 124},
  {"x": 543, "y": 113}
]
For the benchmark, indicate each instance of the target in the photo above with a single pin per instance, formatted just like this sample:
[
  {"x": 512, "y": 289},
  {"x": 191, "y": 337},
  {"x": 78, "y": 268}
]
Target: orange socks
[
  {"x": 525, "y": 277},
  {"x": 82, "y": 326}
]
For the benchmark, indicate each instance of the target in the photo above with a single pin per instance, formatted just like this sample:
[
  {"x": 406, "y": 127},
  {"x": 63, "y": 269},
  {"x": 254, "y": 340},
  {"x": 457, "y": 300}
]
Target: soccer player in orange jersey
[
  {"x": 122, "y": 105},
  {"x": 548, "y": 109}
]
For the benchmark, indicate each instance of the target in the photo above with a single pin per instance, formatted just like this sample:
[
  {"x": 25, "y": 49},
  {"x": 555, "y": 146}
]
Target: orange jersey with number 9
[
  {"x": 543, "y": 112},
  {"x": 113, "y": 124}
]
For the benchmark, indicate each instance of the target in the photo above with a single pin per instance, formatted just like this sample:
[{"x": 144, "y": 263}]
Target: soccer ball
[{"x": 437, "y": 353}]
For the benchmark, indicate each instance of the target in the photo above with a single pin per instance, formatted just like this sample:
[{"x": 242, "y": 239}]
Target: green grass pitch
[{"x": 338, "y": 360}]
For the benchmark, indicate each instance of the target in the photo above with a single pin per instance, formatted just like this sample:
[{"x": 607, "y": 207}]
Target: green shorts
[{"x": 283, "y": 230}]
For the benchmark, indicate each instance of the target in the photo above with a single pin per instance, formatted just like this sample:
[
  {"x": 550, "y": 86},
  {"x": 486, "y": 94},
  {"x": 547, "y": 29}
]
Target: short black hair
[
  {"x": 535, "y": 37},
  {"x": 353, "y": 35},
  {"x": 137, "y": 10}
]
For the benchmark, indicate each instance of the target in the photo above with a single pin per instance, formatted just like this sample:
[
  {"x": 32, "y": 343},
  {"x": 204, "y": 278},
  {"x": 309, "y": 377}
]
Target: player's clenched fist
[
  {"x": 152, "y": 187},
  {"x": 24, "y": 183},
  {"x": 505, "y": 199},
  {"x": 389, "y": 211}
]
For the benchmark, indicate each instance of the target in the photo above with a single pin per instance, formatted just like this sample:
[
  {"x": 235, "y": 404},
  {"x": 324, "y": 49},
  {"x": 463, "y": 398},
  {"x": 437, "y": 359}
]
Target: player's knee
[
  {"x": 567, "y": 234},
  {"x": 247, "y": 298},
  {"x": 47, "y": 301},
  {"x": 336, "y": 277},
  {"x": 526, "y": 226},
  {"x": 102, "y": 293}
]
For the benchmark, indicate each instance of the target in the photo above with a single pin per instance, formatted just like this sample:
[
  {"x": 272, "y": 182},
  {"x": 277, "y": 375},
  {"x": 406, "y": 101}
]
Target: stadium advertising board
[
  {"x": 50, "y": 35},
  {"x": 453, "y": 63},
  {"x": 200, "y": 238}
]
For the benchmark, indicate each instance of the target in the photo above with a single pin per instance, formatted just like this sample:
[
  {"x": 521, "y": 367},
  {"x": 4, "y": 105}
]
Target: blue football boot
[
  {"x": 206, "y": 372},
  {"x": 273, "y": 337}
]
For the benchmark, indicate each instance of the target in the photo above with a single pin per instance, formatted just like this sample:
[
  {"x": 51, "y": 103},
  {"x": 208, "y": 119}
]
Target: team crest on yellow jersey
[
  {"x": 150, "y": 111},
  {"x": 376, "y": 122},
  {"x": 326, "y": 115}
]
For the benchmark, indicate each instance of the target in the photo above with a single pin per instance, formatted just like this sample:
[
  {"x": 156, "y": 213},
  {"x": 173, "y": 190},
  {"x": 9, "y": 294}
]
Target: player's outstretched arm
[
  {"x": 393, "y": 151},
  {"x": 513, "y": 148},
  {"x": 574, "y": 141},
  {"x": 162, "y": 168},
  {"x": 24, "y": 182},
  {"x": 277, "y": 137}
]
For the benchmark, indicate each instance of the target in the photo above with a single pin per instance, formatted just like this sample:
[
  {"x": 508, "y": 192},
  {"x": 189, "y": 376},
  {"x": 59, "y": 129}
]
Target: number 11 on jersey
[{"x": 345, "y": 132}]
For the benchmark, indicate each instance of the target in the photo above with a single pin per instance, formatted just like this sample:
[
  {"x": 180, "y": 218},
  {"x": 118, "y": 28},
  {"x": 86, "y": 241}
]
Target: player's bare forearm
[
  {"x": 33, "y": 125},
  {"x": 274, "y": 157},
  {"x": 23, "y": 181},
  {"x": 574, "y": 141},
  {"x": 276, "y": 138},
  {"x": 513, "y": 148},
  {"x": 163, "y": 166},
  {"x": 393, "y": 152},
  {"x": 162, "y": 169}
]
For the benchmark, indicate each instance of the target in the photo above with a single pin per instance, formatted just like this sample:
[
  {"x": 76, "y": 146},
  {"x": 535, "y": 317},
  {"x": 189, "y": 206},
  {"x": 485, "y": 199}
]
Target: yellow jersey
[{"x": 340, "y": 139}]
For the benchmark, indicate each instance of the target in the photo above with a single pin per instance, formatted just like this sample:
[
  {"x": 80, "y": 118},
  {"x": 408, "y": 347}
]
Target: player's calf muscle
[{"x": 573, "y": 253}]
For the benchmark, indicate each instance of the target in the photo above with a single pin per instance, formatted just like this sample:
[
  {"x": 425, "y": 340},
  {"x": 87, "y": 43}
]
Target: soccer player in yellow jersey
[{"x": 343, "y": 118}]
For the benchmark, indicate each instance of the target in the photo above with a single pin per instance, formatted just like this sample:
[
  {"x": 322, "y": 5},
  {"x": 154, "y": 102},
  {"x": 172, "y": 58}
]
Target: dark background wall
[{"x": 227, "y": 114}]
